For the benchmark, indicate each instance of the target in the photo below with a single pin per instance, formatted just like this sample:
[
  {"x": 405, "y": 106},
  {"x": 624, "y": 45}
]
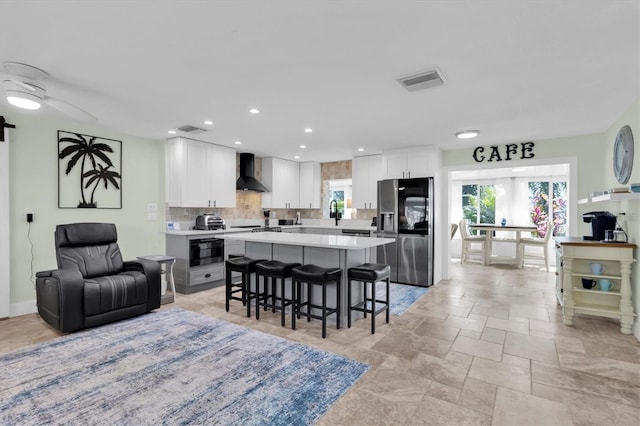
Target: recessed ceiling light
[
  {"x": 254, "y": 111},
  {"x": 303, "y": 146},
  {"x": 172, "y": 132},
  {"x": 467, "y": 134},
  {"x": 360, "y": 149},
  {"x": 208, "y": 122},
  {"x": 308, "y": 130},
  {"x": 296, "y": 156},
  {"x": 238, "y": 142}
]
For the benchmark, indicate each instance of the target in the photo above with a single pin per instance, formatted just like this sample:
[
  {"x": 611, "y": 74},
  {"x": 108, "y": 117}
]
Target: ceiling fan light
[
  {"x": 467, "y": 134},
  {"x": 23, "y": 100}
]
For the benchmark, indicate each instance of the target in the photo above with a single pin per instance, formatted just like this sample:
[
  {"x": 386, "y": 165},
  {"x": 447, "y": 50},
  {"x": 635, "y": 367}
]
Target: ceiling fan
[{"x": 24, "y": 87}]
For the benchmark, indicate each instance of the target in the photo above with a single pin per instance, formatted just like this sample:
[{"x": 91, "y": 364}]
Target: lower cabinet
[
  {"x": 199, "y": 275},
  {"x": 191, "y": 279},
  {"x": 596, "y": 280}
]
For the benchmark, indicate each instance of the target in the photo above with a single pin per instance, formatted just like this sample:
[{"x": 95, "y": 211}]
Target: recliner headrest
[{"x": 85, "y": 234}]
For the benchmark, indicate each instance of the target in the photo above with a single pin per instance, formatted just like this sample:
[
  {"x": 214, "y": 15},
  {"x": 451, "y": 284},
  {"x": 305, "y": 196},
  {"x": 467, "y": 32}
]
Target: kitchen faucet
[{"x": 335, "y": 214}]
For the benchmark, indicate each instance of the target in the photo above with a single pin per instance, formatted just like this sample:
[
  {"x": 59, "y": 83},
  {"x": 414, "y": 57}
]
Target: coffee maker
[{"x": 600, "y": 222}]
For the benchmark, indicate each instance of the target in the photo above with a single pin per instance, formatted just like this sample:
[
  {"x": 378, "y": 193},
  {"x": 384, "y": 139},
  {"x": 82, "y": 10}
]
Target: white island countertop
[{"x": 343, "y": 242}]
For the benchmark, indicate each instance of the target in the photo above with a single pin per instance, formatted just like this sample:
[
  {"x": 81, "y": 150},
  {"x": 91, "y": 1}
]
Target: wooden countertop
[{"x": 578, "y": 241}]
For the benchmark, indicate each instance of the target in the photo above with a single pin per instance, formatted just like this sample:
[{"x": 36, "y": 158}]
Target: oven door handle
[{"x": 210, "y": 240}]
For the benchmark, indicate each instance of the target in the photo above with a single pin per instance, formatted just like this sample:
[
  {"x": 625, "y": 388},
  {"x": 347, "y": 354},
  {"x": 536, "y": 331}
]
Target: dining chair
[
  {"x": 536, "y": 242},
  {"x": 468, "y": 240}
]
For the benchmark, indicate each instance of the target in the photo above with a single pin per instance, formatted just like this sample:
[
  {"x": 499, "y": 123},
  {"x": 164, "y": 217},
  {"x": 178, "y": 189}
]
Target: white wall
[
  {"x": 34, "y": 185},
  {"x": 631, "y": 223}
]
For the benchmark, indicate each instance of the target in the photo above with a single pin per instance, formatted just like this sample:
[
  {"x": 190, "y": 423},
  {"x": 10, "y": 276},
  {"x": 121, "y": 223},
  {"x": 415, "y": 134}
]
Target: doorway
[{"x": 520, "y": 195}]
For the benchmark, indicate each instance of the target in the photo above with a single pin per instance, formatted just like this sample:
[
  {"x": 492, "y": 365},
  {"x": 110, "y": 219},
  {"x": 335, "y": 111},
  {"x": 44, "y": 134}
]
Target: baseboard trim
[{"x": 23, "y": 308}]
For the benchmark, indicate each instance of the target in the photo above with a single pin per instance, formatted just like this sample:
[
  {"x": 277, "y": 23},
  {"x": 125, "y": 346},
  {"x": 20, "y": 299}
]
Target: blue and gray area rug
[
  {"x": 402, "y": 296},
  {"x": 171, "y": 367}
]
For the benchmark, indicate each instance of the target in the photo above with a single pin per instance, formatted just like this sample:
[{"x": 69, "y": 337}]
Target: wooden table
[{"x": 490, "y": 239}]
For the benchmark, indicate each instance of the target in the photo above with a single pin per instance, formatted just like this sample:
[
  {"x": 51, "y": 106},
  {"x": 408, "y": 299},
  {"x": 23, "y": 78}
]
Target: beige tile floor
[{"x": 486, "y": 347}]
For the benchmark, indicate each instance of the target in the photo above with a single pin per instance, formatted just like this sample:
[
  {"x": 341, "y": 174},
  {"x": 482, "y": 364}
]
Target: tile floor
[{"x": 486, "y": 347}]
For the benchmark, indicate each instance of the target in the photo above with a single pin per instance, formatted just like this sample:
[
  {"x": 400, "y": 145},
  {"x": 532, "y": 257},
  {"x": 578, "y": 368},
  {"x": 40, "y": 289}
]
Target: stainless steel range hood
[{"x": 247, "y": 180}]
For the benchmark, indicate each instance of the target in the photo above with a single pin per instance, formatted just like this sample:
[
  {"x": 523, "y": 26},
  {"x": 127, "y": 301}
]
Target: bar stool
[
  {"x": 369, "y": 273},
  {"x": 275, "y": 270},
  {"x": 246, "y": 266},
  {"x": 315, "y": 275}
]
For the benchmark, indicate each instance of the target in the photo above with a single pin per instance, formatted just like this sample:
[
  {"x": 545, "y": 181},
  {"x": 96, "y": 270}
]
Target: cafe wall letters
[
  {"x": 505, "y": 152},
  {"x": 89, "y": 171}
]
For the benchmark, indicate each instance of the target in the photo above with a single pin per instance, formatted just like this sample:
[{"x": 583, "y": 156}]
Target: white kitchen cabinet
[
  {"x": 576, "y": 257},
  {"x": 282, "y": 177},
  {"x": 411, "y": 162},
  {"x": 310, "y": 185},
  {"x": 366, "y": 172},
  {"x": 200, "y": 174}
]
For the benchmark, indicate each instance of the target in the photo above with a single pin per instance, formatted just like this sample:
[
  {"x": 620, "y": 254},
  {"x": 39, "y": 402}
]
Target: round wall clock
[{"x": 623, "y": 154}]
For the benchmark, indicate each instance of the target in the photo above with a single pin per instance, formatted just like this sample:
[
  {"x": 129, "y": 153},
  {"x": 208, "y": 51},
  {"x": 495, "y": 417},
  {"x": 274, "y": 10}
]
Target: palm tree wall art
[{"x": 89, "y": 171}]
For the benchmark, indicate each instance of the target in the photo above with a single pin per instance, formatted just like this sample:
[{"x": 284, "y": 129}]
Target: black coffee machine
[{"x": 600, "y": 222}]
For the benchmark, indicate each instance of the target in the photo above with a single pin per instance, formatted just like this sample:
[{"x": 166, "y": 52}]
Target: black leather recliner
[{"x": 93, "y": 286}]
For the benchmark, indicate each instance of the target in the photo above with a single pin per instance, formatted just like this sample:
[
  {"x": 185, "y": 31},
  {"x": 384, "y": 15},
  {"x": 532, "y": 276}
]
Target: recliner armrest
[
  {"x": 152, "y": 271},
  {"x": 59, "y": 294}
]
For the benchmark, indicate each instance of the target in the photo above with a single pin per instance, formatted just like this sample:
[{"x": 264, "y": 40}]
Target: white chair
[
  {"x": 468, "y": 240},
  {"x": 536, "y": 242}
]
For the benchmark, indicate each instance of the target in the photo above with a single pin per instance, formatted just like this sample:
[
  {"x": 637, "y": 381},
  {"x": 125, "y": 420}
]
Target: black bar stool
[
  {"x": 246, "y": 266},
  {"x": 315, "y": 275},
  {"x": 369, "y": 273},
  {"x": 273, "y": 269}
]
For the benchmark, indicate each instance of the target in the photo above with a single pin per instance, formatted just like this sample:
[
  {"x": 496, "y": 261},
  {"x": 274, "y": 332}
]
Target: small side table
[{"x": 168, "y": 262}]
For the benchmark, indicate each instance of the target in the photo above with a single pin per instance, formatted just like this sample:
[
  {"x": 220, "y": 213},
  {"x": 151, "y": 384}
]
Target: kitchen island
[{"x": 322, "y": 250}]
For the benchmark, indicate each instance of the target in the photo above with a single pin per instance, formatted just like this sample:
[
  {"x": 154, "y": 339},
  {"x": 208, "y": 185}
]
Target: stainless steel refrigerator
[{"x": 405, "y": 212}]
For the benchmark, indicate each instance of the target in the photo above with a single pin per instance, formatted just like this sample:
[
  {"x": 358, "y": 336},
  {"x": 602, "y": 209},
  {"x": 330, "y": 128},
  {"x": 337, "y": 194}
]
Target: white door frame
[{"x": 5, "y": 275}]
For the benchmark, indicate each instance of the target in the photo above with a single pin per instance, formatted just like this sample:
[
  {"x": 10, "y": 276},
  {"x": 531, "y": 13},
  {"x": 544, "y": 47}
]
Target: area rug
[
  {"x": 171, "y": 367},
  {"x": 402, "y": 296}
]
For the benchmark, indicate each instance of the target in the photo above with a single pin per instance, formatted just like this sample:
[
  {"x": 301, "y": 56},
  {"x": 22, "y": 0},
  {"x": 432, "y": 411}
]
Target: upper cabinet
[
  {"x": 366, "y": 172},
  {"x": 200, "y": 174},
  {"x": 310, "y": 185},
  {"x": 282, "y": 177},
  {"x": 411, "y": 162}
]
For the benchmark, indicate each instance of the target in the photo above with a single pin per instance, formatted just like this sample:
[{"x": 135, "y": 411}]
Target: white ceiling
[{"x": 516, "y": 70}]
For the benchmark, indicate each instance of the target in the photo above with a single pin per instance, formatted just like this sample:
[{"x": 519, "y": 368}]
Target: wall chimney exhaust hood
[{"x": 247, "y": 180}]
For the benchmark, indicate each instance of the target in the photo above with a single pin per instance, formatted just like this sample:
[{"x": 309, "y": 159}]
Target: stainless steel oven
[{"x": 205, "y": 251}]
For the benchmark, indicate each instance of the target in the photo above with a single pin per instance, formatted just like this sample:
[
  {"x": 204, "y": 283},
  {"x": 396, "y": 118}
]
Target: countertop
[
  {"x": 231, "y": 230},
  {"x": 310, "y": 240},
  {"x": 578, "y": 241}
]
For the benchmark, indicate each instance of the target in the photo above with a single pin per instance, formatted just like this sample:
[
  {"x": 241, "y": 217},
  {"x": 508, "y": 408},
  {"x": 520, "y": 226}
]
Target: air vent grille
[
  {"x": 422, "y": 80},
  {"x": 188, "y": 128}
]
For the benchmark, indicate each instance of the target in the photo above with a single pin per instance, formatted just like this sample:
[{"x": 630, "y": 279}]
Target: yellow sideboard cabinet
[{"x": 576, "y": 257}]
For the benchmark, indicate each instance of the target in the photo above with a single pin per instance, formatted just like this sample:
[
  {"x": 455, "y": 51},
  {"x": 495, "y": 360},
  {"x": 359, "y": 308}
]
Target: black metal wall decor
[
  {"x": 4, "y": 125},
  {"x": 510, "y": 151},
  {"x": 89, "y": 171}
]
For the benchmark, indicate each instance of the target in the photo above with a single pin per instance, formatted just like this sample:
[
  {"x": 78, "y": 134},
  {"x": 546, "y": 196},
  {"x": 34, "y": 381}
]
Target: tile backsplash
[{"x": 249, "y": 203}]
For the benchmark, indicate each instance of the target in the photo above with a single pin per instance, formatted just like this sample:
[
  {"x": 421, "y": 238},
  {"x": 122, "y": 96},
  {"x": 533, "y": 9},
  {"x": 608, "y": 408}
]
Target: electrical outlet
[
  {"x": 152, "y": 207},
  {"x": 28, "y": 210}
]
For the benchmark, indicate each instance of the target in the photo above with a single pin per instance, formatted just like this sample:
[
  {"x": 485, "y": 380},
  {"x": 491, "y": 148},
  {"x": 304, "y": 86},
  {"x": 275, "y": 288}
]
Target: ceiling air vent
[
  {"x": 422, "y": 80},
  {"x": 191, "y": 129}
]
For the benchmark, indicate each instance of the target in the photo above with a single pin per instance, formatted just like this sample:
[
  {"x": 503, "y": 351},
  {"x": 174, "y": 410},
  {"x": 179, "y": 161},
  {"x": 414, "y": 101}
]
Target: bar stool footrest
[{"x": 330, "y": 311}]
